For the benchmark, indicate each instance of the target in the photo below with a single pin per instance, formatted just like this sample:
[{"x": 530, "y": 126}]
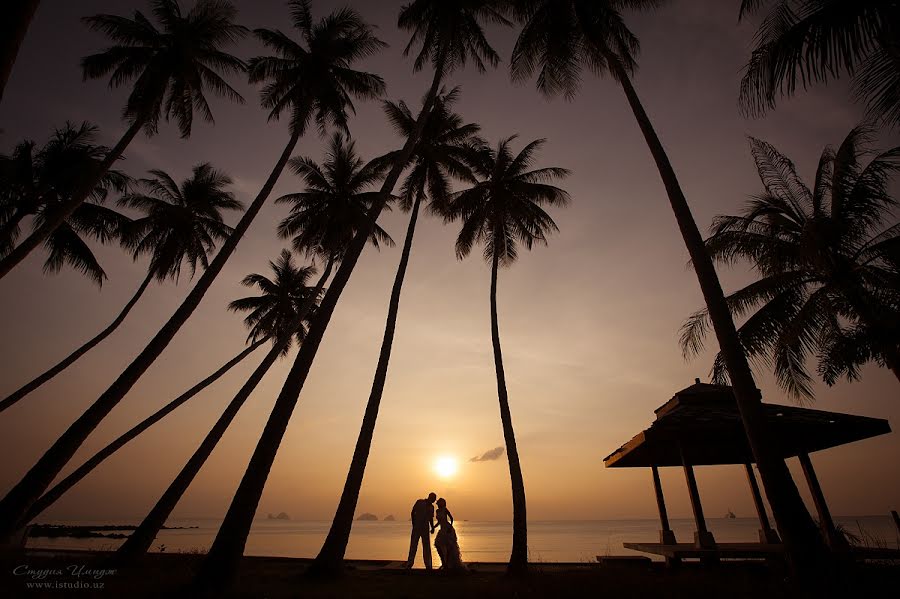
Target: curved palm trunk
[
  {"x": 18, "y": 18},
  {"x": 140, "y": 540},
  {"x": 13, "y": 398},
  {"x": 37, "y": 237},
  {"x": 802, "y": 541},
  {"x": 220, "y": 564},
  {"x": 138, "y": 543},
  {"x": 60, "y": 489},
  {"x": 518, "y": 560},
  {"x": 17, "y": 502},
  {"x": 330, "y": 559}
]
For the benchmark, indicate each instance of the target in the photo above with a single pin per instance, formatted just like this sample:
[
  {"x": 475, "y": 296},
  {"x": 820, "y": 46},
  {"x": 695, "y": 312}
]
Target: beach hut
[{"x": 701, "y": 426}]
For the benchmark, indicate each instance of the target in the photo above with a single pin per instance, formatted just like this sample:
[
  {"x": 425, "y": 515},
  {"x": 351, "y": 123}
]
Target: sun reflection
[{"x": 446, "y": 466}]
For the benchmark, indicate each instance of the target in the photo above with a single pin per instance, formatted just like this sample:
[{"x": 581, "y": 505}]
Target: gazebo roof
[{"x": 704, "y": 422}]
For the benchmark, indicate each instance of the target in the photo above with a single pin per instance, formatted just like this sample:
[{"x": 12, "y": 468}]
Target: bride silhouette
[{"x": 445, "y": 542}]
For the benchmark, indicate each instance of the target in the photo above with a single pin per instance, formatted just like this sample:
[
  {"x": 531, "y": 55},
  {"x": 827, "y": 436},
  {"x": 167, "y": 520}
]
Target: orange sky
[{"x": 589, "y": 324}]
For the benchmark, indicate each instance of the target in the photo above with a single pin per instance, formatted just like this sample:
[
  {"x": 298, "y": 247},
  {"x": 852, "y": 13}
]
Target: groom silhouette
[{"x": 422, "y": 519}]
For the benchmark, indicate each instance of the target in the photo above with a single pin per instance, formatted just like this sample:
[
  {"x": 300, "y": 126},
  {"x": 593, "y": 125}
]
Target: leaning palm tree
[
  {"x": 172, "y": 67},
  {"x": 315, "y": 82},
  {"x": 803, "y": 42},
  {"x": 333, "y": 208},
  {"x": 35, "y": 182},
  {"x": 278, "y": 313},
  {"x": 825, "y": 265},
  {"x": 450, "y": 31},
  {"x": 557, "y": 38},
  {"x": 444, "y": 152},
  {"x": 504, "y": 209},
  {"x": 17, "y": 16},
  {"x": 181, "y": 227}
]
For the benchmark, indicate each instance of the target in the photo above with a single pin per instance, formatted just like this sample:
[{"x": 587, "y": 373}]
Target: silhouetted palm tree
[
  {"x": 181, "y": 226},
  {"x": 444, "y": 152},
  {"x": 279, "y": 313},
  {"x": 455, "y": 33},
  {"x": 323, "y": 94},
  {"x": 17, "y": 16},
  {"x": 504, "y": 209},
  {"x": 172, "y": 66},
  {"x": 826, "y": 261},
  {"x": 803, "y": 42},
  {"x": 36, "y": 182},
  {"x": 557, "y": 38}
]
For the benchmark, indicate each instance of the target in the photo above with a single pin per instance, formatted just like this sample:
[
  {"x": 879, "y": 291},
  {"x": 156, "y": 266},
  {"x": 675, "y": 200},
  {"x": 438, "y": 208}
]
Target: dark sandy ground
[{"x": 84, "y": 575}]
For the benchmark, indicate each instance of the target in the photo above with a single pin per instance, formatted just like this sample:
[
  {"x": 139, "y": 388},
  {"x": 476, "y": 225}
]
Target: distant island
[
  {"x": 280, "y": 516},
  {"x": 389, "y": 518},
  {"x": 367, "y": 516}
]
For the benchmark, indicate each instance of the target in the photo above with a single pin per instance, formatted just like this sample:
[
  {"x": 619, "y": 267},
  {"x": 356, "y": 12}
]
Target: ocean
[{"x": 558, "y": 541}]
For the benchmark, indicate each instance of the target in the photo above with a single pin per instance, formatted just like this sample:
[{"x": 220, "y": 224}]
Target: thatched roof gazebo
[{"x": 701, "y": 426}]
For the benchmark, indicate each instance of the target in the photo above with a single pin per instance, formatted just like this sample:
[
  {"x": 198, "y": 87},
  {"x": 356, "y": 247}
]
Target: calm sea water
[{"x": 561, "y": 541}]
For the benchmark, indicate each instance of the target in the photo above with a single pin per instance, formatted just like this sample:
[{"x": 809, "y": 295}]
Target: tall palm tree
[
  {"x": 455, "y": 32},
  {"x": 172, "y": 66},
  {"x": 17, "y": 16},
  {"x": 804, "y": 42},
  {"x": 334, "y": 205},
  {"x": 181, "y": 226},
  {"x": 444, "y": 152},
  {"x": 35, "y": 182},
  {"x": 824, "y": 259},
  {"x": 503, "y": 209},
  {"x": 315, "y": 83},
  {"x": 557, "y": 38},
  {"x": 279, "y": 313}
]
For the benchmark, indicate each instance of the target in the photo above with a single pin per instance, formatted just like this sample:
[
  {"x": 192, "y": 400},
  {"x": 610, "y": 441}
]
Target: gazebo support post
[
  {"x": 818, "y": 497},
  {"x": 666, "y": 536},
  {"x": 767, "y": 535},
  {"x": 702, "y": 538}
]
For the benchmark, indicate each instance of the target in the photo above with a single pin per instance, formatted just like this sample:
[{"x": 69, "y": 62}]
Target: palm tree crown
[
  {"x": 182, "y": 222},
  {"x": 505, "y": 208},
  {"x": 173, "y": 64},
  {"x": 802, "y": 42},
  {"x": 829, "y": 267},
  {"x": 449, "y": 32},
  {"x": 328, "y": 214},
  {"x": 36, "y": 182},
  {"x": 314, "y": 79},
  {"x": 444, "y": 152},
  {"x": 560, "y": 37},
  {"x": 274, "y": 312}
]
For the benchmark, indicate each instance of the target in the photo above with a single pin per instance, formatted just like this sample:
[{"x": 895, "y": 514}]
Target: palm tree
[
  {"x": 17, "y": 17},
  {"x": 449, "y": 31},
  {"x": 804, "y": 42},
  {"x": 181, "y": 226},
  {"x": 36, "y": 181},
  {"x": 824, "y": 261},
  {"x": 558, "y": 38},
  {"x": 279, "y": 313},
  {"x": 171, "y": 66},
  {"x": 314, "y": 83},
  {"x": 445, "y": 150},
  {"x": 503, "y": 209}
]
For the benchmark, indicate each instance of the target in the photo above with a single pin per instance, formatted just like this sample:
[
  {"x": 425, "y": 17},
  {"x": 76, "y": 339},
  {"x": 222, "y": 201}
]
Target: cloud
[{"x": 489, "y": 455}]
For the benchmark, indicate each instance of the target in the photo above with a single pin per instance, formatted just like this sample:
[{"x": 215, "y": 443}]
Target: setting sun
[{"x": 446, "y": 466}]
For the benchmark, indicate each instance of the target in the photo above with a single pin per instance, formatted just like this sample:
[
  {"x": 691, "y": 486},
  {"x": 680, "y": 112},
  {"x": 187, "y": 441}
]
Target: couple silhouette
[{"x": 422, "y": 518}]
